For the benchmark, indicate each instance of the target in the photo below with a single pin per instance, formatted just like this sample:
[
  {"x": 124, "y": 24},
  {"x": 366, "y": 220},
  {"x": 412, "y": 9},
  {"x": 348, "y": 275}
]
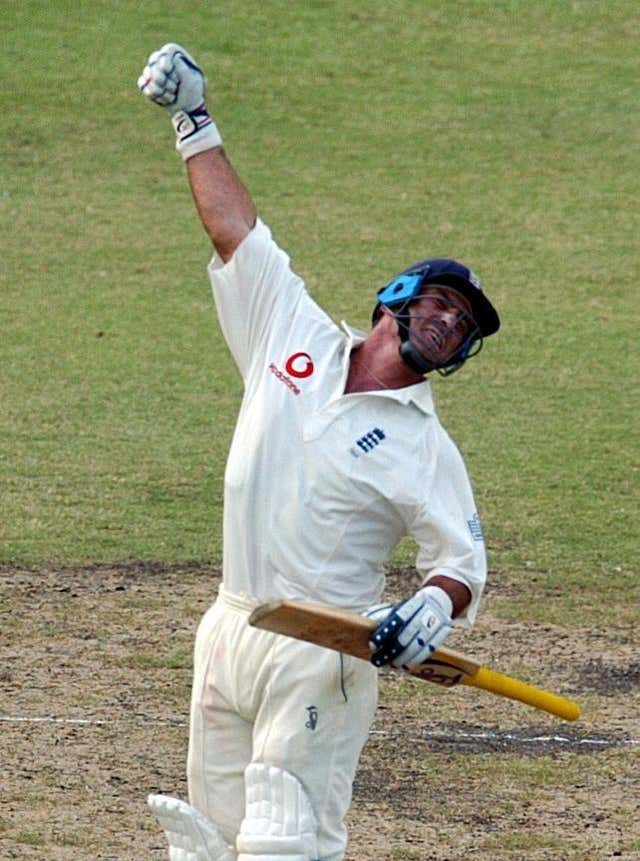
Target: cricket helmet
[{"x": 441, "y": 271}]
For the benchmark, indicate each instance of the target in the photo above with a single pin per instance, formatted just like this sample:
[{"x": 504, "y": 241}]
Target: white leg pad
[
  {"x": 279, "y": 823},
  {"x": 191, "y": 836}
]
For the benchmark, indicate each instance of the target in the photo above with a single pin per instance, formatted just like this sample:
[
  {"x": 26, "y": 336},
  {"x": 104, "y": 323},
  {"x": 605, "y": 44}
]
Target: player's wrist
[{"x": 195, "y": 131}]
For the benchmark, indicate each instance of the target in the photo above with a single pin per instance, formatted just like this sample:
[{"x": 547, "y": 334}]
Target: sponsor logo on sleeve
[{"x": 298, "y": 365}]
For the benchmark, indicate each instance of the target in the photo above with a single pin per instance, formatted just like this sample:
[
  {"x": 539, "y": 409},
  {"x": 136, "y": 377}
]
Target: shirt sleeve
[
  {"x": 254, "y": 292},
  {"x": 448, "y": 531}
]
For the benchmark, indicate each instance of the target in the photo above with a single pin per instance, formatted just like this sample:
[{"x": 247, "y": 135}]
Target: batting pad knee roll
[
  {"x": 279, "y": 822},
  {"x": 191, "y": 836}
]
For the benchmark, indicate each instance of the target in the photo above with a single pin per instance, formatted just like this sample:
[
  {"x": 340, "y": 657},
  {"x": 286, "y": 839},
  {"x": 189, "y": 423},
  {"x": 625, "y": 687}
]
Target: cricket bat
[{"x": 348, "y": 632}]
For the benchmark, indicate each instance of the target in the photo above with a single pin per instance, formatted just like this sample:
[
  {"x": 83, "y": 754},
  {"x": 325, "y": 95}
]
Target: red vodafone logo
[{"x": 299, "y": 365}]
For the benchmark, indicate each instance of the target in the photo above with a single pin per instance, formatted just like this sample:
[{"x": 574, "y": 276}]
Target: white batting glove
[
  {"x": 412, "y": 630},
  {"x": 173, "y": 80}
]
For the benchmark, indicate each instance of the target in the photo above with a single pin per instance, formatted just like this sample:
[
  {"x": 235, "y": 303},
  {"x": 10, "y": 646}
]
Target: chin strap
[{"x": 409, "y": 355}]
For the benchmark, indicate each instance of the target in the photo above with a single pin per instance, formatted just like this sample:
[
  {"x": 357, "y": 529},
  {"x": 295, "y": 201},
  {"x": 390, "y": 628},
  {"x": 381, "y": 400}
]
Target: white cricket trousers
[{"x": 262, "y": 697}]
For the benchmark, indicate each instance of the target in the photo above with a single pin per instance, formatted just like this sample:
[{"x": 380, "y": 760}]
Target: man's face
[{"x": 439, "y": 322}]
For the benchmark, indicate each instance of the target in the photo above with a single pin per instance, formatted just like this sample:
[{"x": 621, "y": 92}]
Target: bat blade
[
  {"x": 344, "y": 631},
  {"x": 321, "y": 624}
]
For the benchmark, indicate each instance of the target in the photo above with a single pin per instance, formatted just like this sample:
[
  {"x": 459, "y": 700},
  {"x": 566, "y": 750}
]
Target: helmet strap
[{"x": 409, "y": 354}]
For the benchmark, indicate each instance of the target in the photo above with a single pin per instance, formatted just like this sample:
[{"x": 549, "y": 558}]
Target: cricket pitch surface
[{"x": 96, "y": 671}]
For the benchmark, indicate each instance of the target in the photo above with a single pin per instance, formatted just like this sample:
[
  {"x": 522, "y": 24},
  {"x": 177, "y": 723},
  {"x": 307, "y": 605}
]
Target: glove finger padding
[
  {"x": 378, "y": 612},
  {"x": 412, "y": 630},
  {"x": 418, "y": 649},
  {"x": 157, "y": 86},
  {"x": 173, "y": 79}
]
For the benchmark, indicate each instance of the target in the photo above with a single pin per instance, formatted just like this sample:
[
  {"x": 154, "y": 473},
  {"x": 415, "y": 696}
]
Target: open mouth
[
  {"x": 432, "y": 335},
  {"x": 434, "y": 339}
]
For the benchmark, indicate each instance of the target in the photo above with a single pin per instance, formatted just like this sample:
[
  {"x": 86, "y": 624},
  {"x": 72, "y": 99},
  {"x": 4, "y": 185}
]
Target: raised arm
[
  {"x": 223, "y": 203},
  {"x": 173, "y": 80}
]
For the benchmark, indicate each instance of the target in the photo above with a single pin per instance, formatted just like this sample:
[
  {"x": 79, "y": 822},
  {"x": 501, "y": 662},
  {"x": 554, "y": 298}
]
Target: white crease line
[
  {"x": 511, "y": 737},
  {"x": 91, "y": 721},
  {"x": 437, "y": 735}
]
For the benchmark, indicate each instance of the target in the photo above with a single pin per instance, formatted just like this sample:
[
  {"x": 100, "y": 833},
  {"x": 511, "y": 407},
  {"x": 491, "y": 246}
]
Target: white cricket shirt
[{"x": 320, "y": 486}]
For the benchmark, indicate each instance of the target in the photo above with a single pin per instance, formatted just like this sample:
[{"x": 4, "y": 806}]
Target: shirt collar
[{"x": 419, "y": 394}]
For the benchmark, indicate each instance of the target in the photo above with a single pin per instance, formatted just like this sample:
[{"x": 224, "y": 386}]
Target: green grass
[
  {"x": 30, "y": 838},
  {"x": 371, "y": 134}
]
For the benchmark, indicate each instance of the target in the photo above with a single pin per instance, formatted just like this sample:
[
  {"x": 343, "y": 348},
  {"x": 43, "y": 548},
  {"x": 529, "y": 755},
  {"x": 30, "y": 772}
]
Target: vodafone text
[
  {"x": 299, "y": 365},
  {"x": 284, "y": 378}
]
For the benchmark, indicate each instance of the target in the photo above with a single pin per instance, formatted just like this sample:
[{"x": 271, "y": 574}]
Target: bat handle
[{"x": 490, "y": 680}]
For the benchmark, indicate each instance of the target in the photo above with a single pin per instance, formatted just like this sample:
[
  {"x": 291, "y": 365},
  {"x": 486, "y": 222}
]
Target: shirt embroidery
[
  {"x": 475, "y": 528},
  {"x": 368, "y": 442}
]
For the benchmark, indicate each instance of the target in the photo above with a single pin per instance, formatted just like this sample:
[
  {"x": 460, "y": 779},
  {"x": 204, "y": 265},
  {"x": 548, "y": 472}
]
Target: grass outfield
[{"x": 371, "y": 134}]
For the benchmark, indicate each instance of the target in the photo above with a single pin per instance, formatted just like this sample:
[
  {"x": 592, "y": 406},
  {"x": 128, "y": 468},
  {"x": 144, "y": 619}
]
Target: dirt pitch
[{"x": 95, "y": 670}]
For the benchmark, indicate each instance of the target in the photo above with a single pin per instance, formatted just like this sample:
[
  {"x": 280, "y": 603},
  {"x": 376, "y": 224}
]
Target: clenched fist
[{"x": 173, "y": 80}]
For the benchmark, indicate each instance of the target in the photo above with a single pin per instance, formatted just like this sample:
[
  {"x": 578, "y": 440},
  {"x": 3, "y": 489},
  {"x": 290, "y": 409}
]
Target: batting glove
[
  {"x": 412, "y": 630},
  {"x": 173, "y": 80}
]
